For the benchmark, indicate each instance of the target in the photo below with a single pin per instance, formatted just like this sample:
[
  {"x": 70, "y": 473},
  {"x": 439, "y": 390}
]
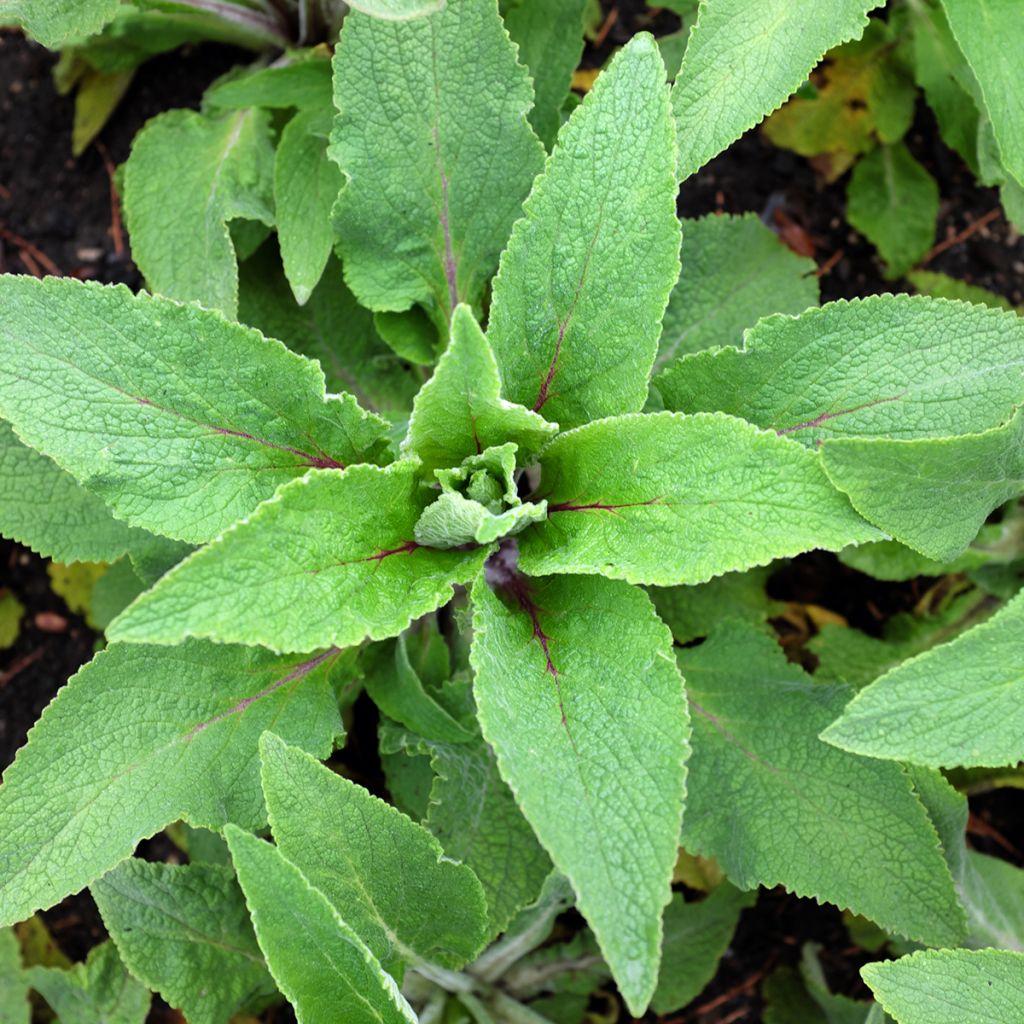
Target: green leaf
[
  {"x": 386, "y": 873},
  {"x": 735, "y": 271},
  {"x": 549, "y": 34},
  {"x": 578, "y": 695},
  {"x": 397, "y": 10},
  {"x": 56, "y": 22},
  {"x": 991, "y": 35},
  {"x": 185, "y": 932},
  {"x": 961, "y": 704},
  {"x": 329, "y": 560},
  {"x": 320, "y": 964},
  {"x": 179, "y": 420},
  {"x": 942, "y": 286},
  {"x": 100, "y": 991},
  {"x": 742, "y": 62},
  {"x": 894, "y": 202},
  {"x": 187, "y": 176},
  {"x": 939, "y": 986},
  {"x": 571, "y": 342},
  {"x": 47, "y": 510},
  {"x": 932, "y": 494},
  {"x": 775, "y": 805},
  {"x": 141, "y": 737},
  {"x": 331, "y": 328},
  {"x": 696, "y": 937},
  {"x": 459, "y": 411},
  {"x": 13, "y": 983},
  {"x": 11, "y": 611},
  {"x": 668, "y": 499},
  {"x": 306, "y": 186},
  {"x": 303, "y": 84},
  {"x": 896, "y": 366},
  {"x": 454, "y": 521},
  {"x": 439, "y": 156}
]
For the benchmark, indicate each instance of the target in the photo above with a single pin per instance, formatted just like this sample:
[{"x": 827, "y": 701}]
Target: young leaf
[
  {"x": 459, "y": 411},
  {"x": 669, "y": 499},
  {"x": 179, "y": 420},
  {"x": 384, "y": 872},
  {"x": 735, "y": 271},
  {"x": 937, "y": 986},
  {"x": 100, "y": 991},
  {"x": 894, "y": 202},
  {"x": 324, "y": 969},
  {"x": 932, "y": 494},
  {"x": 306, "y": 186},
  {"x": 56, "y": 22},
  {"x": 549, "y": 34},
  {"x": 187, "y": 176},
  {"x": 330, "y": 560},
  {"x": 454, "y": 521},
  {"x": 578, "y": 694},
  {"x": 775, "y": 805},
  {"x": 13, "y": 982},
  {"x": 571, "y": 342},
  {"x": 439, "y": 156},
  {"x": 305, "y": 83},
  {"x": 141, "y": 737},
  {"x": 897, "y": 366},
  {"x": 185, "y": 932},
  {"x": 742, "y": 62},
  {"x": 696, "y": 937},
  {"x": 961, "y": 704}
]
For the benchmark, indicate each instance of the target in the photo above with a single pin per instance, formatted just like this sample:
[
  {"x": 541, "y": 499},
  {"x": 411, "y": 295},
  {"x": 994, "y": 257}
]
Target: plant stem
[{"x": 267, "y": 27}]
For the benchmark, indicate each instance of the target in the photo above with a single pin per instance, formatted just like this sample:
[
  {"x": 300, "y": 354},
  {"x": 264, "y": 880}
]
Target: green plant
[{"x": 512, "y": 561}]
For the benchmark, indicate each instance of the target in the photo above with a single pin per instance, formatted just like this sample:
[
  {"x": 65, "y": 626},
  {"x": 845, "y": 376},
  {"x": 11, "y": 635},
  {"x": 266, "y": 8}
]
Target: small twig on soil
[
  {"x": 606, "y": 27},
  {"x": 115, "y": 201},
  {"x": 961, "y": 236},
  {"x": 5, "y": 193},
  {"x": 830, "y": 264},
  {"x": 30, "y": 264},
  {"x": 20, "y": 665},
  {"x": 979, "y": 827},
  {"x": 24, "y": 246}
]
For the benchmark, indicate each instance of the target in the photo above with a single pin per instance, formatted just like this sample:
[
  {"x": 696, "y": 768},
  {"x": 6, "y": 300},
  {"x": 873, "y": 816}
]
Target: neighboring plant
[{"x": 510, "y": 555}]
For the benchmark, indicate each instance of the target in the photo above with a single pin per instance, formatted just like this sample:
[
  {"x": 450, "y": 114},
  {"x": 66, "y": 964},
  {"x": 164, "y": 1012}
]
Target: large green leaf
[
  {"x": 549, "y": 34},
  {"x": 894, "y": 366},
  {"x": 777, "y": 806},
  {"x": 179, "y": 420},
  {"x": 735, "y": 271},
  {"x": 185, "y": 932},
  {"x": 932, "y": 494},
  {"x": 384, "y": 872},
  {"x": 56, "y": 22},
  {"x": 187, "y": 176},
  {"x": 571, "y": 341},
  {"x": 580, "y": 698},
  {"x": 943, "y": 986},
  {"x": 669, "y": 499},
  {"x": 991, "y": 35},
  {"x": 330, "y": 560},
  {"x": 141, "y": 737},
  {"x": 439, "y": 156},
  {"x": 459, "y": 412},
  {"x": 13, "y": 982},
  {"x": 326, "y": 971},
  {"x": 743, "y": 60},
  {"x": 961, "y": 704},
  {"x": 397, "y": 10}
]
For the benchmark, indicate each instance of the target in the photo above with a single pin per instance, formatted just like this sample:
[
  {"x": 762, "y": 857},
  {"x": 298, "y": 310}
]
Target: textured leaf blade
[
  {"x": 668, "y": 499},
  {"x": 896, "y": 366},
  {"x": 578, "y": 695},
  {"x": 937, "y": 986},
  {"x": 571, "y": 343},
  {"x": 775, "y": 805},
  {"x": 459, "y": 412},
  {"x": 324, "y": 969},
  {"x": 179, "y": 420},
  {"x": 185, "y": 931},
  {"x": 385, "y": 872},
  {"x": 397, "y": 10},
  {"x": 438, "y": 154},
  {"x": 56, "y": 22},
  {"x": 742, "y": 62},
  {"x": 188, "y": 175},
  {"x": 13, "y": 983},
  {"x": 329, "y": 561},
  {"x": 139, "y": 738},
  {"x": 961, "y": 704}
]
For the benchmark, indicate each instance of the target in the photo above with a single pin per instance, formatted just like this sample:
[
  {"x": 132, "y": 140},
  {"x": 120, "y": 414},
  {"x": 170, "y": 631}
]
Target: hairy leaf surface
[
  {"x": 56, "y": 22},
  {"x": 571, "y": 342},
  {"x": 580, "y": 698},
  {"x": 141, "y": 737},
  {"x": 669, "y": 499}
]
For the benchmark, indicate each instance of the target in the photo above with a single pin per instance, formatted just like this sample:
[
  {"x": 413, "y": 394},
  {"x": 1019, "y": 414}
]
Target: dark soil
[{"x": 58, "y": 213}]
